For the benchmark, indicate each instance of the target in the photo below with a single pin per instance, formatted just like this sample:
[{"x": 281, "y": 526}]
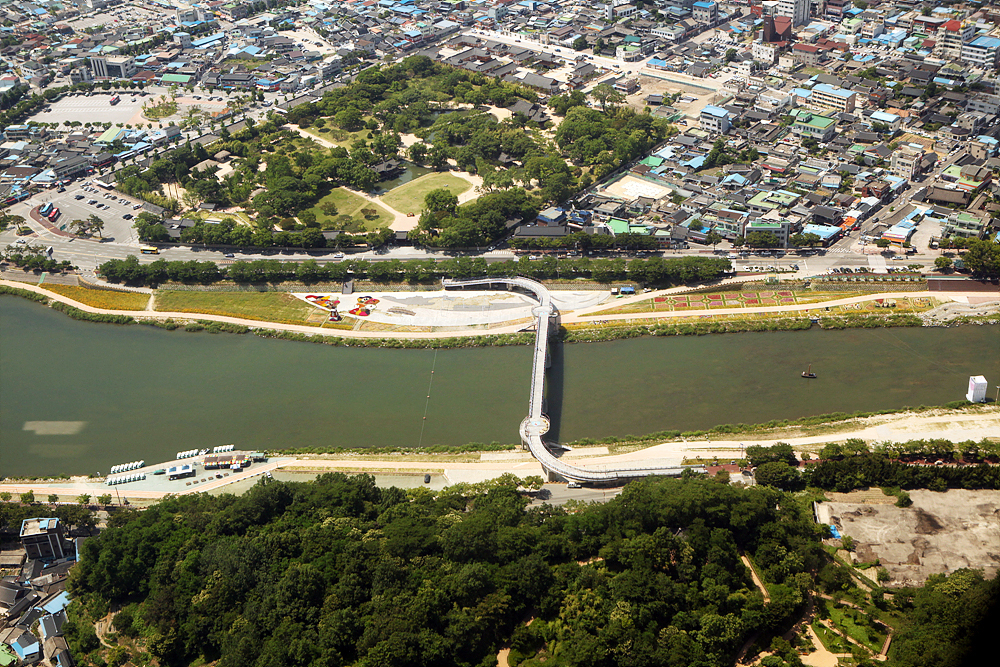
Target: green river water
[{"x": 77, "y": 397}]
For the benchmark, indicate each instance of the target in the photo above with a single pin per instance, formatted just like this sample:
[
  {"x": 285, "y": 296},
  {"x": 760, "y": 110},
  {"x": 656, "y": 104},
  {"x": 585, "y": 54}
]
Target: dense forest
[{"x": 341, "y": 572}]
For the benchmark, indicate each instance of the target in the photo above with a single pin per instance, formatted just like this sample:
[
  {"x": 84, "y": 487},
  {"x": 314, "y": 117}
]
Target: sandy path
[
  {"x": 756, "y": 580},
  {"x": 821, "y": 657}
]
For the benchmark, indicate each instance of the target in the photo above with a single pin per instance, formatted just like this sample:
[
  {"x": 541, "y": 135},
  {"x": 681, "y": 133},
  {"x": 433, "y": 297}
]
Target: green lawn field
[
  {"x": 409, "y": 198},
  {"x": 267, "y": 306},
  {"x": 348, "y": 203}
]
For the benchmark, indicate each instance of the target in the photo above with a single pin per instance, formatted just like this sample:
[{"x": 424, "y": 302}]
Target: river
[{"x": 77, "y": 397}]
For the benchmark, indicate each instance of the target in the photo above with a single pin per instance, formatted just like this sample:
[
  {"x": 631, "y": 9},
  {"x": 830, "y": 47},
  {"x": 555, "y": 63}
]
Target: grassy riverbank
[{"x": 282, "y": 308}]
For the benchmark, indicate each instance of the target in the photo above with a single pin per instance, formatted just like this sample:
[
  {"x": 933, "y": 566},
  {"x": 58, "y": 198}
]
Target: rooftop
[{"x": 38, "y": 526}]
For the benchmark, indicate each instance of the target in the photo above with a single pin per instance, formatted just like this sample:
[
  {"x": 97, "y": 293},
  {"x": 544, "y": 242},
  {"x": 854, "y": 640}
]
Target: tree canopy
[{"x": 341, "y": 572}]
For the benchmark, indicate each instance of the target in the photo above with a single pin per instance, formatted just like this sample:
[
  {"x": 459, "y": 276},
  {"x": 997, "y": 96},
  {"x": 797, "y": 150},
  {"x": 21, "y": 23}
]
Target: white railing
[{"x": 534, "y": 440}]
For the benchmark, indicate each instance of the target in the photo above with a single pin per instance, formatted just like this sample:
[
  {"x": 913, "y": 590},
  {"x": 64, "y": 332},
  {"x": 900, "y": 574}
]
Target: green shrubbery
[{"x": 102, "y": 318}]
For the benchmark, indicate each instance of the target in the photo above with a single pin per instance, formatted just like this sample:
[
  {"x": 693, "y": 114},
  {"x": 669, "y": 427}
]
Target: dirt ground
[
  {"x": 630, "y": 187},
  {"x": 651, "y": 85},
  {"x": 939, "y": 533}
]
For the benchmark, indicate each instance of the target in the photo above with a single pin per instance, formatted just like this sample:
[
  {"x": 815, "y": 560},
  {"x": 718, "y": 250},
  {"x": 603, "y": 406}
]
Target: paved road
[{"x": 559, "y": 494}]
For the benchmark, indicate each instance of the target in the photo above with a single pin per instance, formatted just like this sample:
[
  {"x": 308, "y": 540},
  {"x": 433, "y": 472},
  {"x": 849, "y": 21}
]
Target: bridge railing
[{"x": 534, "y": 442}]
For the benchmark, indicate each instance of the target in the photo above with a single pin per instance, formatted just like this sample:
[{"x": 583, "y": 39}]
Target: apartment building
[
  {"x": 764, "y": 53},
  {"x": 832, "y": 97},
  {"x": 705, "y": 12},
  {"x": 951, "y": 37},
  {"x": 983, "y": 103},
  {"x": 714, "y": 119},
  {"x": 906, "y": 161},
  {"x": 797, "y": 10}
]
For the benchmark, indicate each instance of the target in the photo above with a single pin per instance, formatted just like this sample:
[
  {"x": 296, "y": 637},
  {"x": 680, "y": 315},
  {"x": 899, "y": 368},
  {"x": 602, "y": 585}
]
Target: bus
[
  {"x": 53, "y": 215},
  {"x": 115, "y": 100},
  {"x": 149, "y": 250},
  {"x": 45, "y": 208}
]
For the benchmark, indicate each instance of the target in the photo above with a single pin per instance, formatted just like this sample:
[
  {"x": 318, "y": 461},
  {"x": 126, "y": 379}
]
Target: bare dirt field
[
  {"x": 650, "y": 85},
  {"x": 629, "y": 187},
  {"x": 939, "y": 533}
]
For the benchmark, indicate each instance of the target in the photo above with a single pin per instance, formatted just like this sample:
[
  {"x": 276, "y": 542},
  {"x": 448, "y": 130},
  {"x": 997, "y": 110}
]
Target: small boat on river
[{"x": 808, "y": 373}]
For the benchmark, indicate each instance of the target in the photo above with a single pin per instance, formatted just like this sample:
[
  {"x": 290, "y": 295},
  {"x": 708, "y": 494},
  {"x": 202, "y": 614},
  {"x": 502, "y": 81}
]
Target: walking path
[
  {"x": 756, "y": 580},
  {"x": 897, "y": 427},
  {"x": 592, "y": 314},
  {"x": 513, "y": 328},
  {"x": 821, "y": 657}
]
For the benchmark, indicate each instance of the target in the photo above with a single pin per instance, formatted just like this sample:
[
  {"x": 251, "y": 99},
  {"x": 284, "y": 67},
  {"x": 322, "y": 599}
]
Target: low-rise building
[
  {"x": 42, "y": 538},
  {"x": 982, "y": 52},
  {"x": 815, "y": 126},
  {"x": 833, "y": 97},
  {"x": 113, "y": 67},
  {"x": 714, "y": 119},
  {"x": 705, "y": 12},
  {"x": 780, "y": 229}
]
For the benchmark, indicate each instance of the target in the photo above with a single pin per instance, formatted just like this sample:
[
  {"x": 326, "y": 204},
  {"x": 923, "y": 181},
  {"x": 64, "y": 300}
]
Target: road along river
[{"x": 79, "y": 397}]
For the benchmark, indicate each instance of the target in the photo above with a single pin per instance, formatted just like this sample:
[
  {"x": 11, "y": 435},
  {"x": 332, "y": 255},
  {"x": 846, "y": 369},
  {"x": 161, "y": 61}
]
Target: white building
[
  {"x": 714, "y": 119},
  {"x": 797, "y": 10},
  {"x": 113, "y": 67},
  {"x": 982, "y": 52},
  {"x": 951, "y": 37},
  {"x": 705, "y": 12},
  {"x": 765, "y": 53},
  {"x": 905, "y": 161}
]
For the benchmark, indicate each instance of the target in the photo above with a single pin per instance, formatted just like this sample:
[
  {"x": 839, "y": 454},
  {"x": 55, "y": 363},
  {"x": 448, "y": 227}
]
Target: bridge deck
[{"x": 536, "y": 424}]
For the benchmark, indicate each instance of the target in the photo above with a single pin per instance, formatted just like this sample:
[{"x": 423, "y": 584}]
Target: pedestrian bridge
[{"x": 536, "y": 424}]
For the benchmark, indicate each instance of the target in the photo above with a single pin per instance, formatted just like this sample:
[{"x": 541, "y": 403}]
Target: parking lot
[
  {"x": 116, "y": 227},
  {"x": 94, "y": 109}
]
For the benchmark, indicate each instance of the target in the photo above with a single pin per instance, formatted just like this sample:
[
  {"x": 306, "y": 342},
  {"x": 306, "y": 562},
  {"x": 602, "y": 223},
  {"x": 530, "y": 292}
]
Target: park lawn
[
  {"x": 265, "y": 306},
  {"x": 845, "y": 618},
  {"x": 409, "y": 198},
  {"x": 833, "y": 642},
  {"x": 239, "y": 216},
  {"x": 350, "y": 204},
  {"x": 335, "y": 135},
  {"x": 109, "y": 300}
]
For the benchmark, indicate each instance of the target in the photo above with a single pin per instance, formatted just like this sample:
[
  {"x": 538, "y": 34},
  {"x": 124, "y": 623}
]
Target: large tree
[{"x": 606, "y": 94}]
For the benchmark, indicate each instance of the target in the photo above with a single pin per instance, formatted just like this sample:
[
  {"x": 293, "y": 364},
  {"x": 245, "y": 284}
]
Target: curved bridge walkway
[{"x": 536, "y": 424}]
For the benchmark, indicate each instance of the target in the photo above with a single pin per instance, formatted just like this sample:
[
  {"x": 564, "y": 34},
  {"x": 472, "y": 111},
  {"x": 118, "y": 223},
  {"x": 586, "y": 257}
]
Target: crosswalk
[{"x": 844, "y": 251}]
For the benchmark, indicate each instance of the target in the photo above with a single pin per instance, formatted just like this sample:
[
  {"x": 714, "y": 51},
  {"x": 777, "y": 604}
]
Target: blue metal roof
[{"x": 986, "y": 42}]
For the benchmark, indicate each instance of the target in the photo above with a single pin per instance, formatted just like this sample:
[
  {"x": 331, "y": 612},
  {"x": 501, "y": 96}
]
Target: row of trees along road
[{"x": 653, "y": 271}]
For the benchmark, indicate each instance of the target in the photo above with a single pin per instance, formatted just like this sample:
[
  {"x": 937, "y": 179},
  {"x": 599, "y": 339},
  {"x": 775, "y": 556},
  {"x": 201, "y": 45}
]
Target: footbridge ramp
[{"x": 536, "y": 424}]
